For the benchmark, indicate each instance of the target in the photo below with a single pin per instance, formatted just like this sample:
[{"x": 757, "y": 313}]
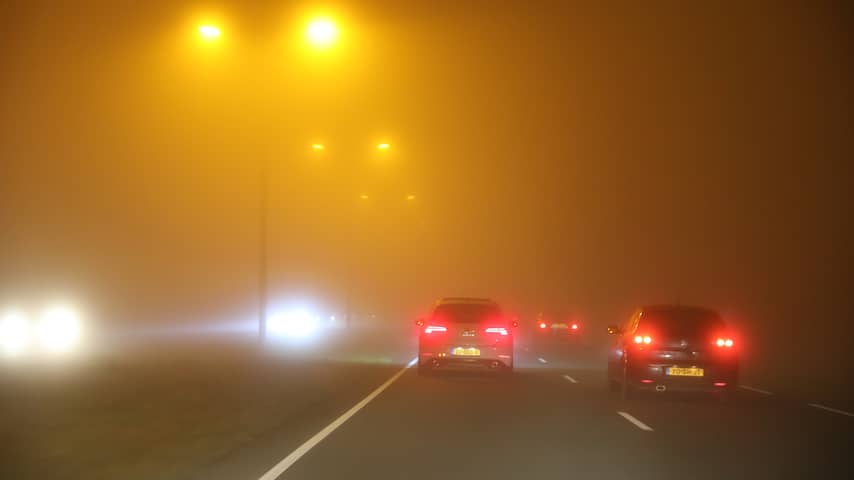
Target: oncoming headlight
[
  {"x": 59, "y": 329},
  {"x": 292, "y": 323},
  {"x": 14, "y": 332}
]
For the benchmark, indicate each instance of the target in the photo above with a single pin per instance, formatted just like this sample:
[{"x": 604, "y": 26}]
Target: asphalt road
[{"x": 230, "y": 412}]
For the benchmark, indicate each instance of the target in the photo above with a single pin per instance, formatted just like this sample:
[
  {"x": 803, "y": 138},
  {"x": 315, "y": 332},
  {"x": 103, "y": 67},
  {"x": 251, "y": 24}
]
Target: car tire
[
  {"x": 626, "y": 390},
  {"x": 613, "y": 385}
]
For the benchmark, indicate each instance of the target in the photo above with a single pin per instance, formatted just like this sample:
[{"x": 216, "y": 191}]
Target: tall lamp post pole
[{"x": 263, "y": 186}]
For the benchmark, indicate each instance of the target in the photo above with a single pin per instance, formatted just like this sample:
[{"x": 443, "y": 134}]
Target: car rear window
[
  {"x": 467, "y": 313},
  {"x": 684, "y": 323}
]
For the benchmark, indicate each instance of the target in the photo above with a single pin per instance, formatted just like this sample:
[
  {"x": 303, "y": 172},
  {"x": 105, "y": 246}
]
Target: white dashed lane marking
[
  {"x": 841, "y": 412},
  {"x": 754, "y": 389},
  {"x": 635, "y": 422}
]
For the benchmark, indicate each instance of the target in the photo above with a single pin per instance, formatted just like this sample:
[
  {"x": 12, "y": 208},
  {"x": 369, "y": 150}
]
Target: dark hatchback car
[{"x": 673, "y": 348}]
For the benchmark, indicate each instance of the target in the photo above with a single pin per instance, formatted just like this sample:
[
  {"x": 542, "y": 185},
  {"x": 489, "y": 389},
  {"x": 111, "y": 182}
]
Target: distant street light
[
  {"x": 322, "y": 32},
  {"x": 209, "y": 32},
  {"x": 318, "y": 147},
  {"x": 410, "y": 197},
  {"x": 383, "y": 146},
  {"x": 363, "y": 196}
]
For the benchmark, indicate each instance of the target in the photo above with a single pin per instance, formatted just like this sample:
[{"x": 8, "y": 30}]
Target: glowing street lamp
[
  {"x": 321, "y": 32},
  {"x": 318, "y": 147},
  {"x": 363, "y": 196},
  {"x": 209, "y": 32},
  {"x": 410, "y": 197},
  {"x": 383, "y": 146}
]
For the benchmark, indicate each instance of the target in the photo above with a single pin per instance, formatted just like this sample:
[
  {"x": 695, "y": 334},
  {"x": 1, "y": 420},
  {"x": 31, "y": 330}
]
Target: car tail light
[
  {"x": 542, "y": 325},
  {"x": 435, "y": 328},
  {"x": 719, "y": 384},
  {"x": 647, "y": 380},
  {"x": 724, "y": 342},
  {"x": 574, "y": 326},
  {"x": 645, "y": 339},
  {"x": 499, "y": 330}
]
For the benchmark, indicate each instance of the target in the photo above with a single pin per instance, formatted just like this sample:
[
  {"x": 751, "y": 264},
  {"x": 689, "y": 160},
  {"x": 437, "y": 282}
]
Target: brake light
[
  {"x": 645, "y": 339},
  {"x": 542, "y": 325},
  {"x": 499, "y": 330},
  {"x": 435, "y": 328},
  {"x": 724, "y": 342},
  {"x": 574, "y": 326}
]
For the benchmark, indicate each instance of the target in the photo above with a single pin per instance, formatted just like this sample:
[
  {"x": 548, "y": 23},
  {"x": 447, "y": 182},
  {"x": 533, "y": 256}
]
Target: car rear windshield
[
  {"x": 467, "y": 313},
  {"x": 683, "y": 323}
]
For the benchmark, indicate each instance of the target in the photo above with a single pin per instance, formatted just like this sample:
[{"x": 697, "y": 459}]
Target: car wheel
[
  {"x": 625, "y": 389},
  {"x": 613, "y": 385},
  {"x": 424, "y": 369}
]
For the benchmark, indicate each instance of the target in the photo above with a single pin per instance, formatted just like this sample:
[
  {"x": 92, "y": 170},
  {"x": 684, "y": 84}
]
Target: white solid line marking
[
  {"x": 570, "y": 379},
  {"x": 542, "y": 360},
  {"x": 286, "y": 463},
  {"x": 757, "y": 390},
  {"x": 841, "y": 412},
  {"x": 635, "y": 421}
]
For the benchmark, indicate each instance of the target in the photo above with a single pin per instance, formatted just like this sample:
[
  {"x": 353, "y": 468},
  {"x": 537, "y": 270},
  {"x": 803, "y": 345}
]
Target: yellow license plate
[
  {"x": 466, "y": 352},
  {"x": 685, "y": 372}
]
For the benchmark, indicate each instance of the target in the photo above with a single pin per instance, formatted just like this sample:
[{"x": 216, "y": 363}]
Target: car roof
[
  {"x": 676, "y": 308},
  {"x": 465, "y": 300}
]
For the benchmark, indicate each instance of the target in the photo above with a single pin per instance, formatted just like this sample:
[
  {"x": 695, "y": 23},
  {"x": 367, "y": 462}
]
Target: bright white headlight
[
  {"x": 293, "y": 323},
  {"x": 59, "y": 329},
  {"x": 14, "y": 332}
]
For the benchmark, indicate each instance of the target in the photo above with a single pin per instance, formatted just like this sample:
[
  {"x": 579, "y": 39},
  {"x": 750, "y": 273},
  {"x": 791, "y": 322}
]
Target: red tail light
[
  {"x": 724, "y": 342},
  {"x": 574, "y": 326},
  {"x": 499, "y": 330},
  {"x": 643, "y": 339},
  {"x": 542, "y": 325},
  {"x": 435, "y": 328}
]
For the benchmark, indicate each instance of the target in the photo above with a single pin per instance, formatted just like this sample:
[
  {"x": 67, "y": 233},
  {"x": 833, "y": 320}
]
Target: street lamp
[
  {"x": 318, "y": 147},
  {"x": 209, "y": 32},
  {"x": 321, "y": 32},
  {"x": 383, "y": 146}
]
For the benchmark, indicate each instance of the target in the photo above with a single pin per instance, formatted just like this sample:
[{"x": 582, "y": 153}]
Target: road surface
[{"x": 362, "y": 414}]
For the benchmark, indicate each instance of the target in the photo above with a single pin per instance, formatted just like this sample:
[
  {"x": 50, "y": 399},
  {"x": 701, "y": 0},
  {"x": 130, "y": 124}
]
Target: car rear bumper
[
  {"x": 654, "y": 377},
  {"x": 490, "y": 358}
]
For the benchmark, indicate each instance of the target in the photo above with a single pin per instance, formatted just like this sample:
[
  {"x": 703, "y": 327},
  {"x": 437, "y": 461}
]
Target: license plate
[
  {"x": 685, "y": 372},
  {"x": 466, "y": 352}
]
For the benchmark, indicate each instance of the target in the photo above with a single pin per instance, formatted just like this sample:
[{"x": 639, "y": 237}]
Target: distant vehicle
[
  {"x": 568, "y": 329},
  {"x": 465, "y": 333},
  {"x": 673, "y": 348}
]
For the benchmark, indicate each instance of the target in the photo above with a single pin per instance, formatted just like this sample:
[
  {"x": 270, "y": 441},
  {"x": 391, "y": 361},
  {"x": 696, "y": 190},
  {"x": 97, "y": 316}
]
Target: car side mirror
[
  {"x": 613, "y": 330},
  {"x": 419, "y": 322}
]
